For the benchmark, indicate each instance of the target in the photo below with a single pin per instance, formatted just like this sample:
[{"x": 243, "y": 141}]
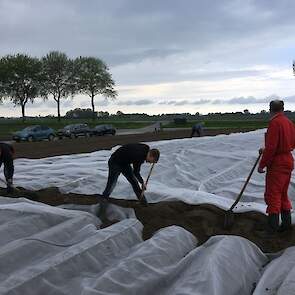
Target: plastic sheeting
[
  {"x": 115, "y": 260},
  {"x": 279, "y": 276},
  {"x": 48, "y": 250},
  {"x": 198, "y": 170}
]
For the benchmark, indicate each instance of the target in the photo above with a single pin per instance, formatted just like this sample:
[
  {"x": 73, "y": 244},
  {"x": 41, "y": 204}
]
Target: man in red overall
[{"x": 278, "y": 159}]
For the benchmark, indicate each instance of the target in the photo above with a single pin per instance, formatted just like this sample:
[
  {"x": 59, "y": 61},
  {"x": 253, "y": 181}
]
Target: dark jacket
[
  {"x": 134, "y": 154},
  {"x": 6, "y": 153}
]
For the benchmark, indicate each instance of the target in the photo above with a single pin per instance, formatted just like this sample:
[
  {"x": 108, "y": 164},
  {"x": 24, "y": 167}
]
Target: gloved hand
[
  {"x": 143, "y": 187},
  {"x": 261, "y": 150},
  {"x": 143, "y": 201}
]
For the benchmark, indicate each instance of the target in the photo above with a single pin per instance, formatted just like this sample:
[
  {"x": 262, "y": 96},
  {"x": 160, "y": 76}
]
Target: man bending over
[
  {"x": 6, "y": 157},
  {"x": 120, "y": 162}
]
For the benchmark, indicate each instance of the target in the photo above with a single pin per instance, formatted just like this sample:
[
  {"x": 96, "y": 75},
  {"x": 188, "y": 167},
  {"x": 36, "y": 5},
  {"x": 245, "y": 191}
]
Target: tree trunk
[
  {"x": 23, "y": 105},
  {"x": 58, "y": 109},
  {"x": 93, "y": 107}
]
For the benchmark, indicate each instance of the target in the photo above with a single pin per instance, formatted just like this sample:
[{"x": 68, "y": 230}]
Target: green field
[
  {"x": 8, "y": 126},
  {"x": 230, "y": 124}
]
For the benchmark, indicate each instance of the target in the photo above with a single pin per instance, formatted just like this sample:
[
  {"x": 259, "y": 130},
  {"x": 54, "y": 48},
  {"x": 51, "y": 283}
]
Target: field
[
  {"x": 8, "y": 126},
  {"x": 169, "y": 247},
  {"x": 230, "y": 124},
  {"x": 44, "y": 149}
]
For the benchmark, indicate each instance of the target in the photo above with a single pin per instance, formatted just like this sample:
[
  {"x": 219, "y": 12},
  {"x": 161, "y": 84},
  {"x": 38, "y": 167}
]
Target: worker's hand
[
  {"x": 143, "y": 187},
  {"x": 260, "y": 170},
  {"x": 261, "y": 150}
]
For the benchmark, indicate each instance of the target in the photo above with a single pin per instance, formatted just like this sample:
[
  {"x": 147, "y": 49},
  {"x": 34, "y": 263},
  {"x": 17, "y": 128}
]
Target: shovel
[
  {"x": 229, "y": 214},
  {"x": 142, "y": 198}
]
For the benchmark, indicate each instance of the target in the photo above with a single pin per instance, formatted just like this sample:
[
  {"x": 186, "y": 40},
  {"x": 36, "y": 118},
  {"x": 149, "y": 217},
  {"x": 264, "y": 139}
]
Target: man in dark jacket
[
  {"x": 6, "y": 157},
  {"x": 278, "y": 160},
  {"x": 120, "y": 162},
  {"x": 197, "y": 128}
]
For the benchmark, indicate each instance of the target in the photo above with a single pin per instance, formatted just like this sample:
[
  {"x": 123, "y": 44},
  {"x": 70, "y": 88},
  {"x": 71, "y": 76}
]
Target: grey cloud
[
  {"x": 139, "y": 102},
  {"x": 182, "y": 102},
  {"x": 185, "y": 102},
  {"x": 200, "y": 102},
  {"x": 236, "y": 101},
  {"x": 128, "y": 31},
  {"x": 148, "y": 42},
  {"x": 253, "y": 100},
  {"x": 167, "y": 73},
  {"x": 241, "y": 100},
  {"x": 99, "y": 102}
]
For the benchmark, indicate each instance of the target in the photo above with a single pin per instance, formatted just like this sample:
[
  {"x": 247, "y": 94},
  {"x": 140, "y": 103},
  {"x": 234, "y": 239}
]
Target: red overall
[{"x": 277, "y": 157}]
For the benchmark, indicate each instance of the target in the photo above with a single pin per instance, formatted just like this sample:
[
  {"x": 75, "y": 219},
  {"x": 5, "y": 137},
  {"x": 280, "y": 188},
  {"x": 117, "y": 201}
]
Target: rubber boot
[
  {"x": 273, "y": 224},
  {"x": 272, "y": 227},
  {"x": 102, "y": 209},
  {"x": 9, "y": 188},
  {"x": 286, "y": 221}
]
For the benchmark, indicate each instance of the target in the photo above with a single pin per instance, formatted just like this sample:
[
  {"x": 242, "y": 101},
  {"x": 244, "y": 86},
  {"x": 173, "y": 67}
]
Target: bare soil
[
  {"x": 42, "y": 149},
  {"x": 203, "y": 220}
]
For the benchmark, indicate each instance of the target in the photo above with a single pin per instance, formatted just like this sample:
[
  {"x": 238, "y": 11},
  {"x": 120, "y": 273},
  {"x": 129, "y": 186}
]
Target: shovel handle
[
  {"x": 147, "y": 179},
  {"x": 245, "y": 184}
]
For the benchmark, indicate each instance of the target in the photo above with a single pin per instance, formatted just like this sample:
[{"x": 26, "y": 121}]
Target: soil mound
[{"x": 203, "y": 220}]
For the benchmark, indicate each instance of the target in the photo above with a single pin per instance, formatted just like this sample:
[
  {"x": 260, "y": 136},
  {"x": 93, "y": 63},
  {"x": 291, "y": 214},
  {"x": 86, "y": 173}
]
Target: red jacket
[{"x": 279, "y": 143}]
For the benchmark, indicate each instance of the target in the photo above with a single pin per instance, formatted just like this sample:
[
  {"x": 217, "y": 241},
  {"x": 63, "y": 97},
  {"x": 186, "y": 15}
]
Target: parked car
[
  {"x": 34, "y": 133},
  {"x": 103, "y": 130},
  {"x": 74, "y": 130}
]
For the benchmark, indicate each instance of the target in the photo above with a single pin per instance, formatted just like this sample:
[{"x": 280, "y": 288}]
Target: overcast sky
[{"x": 164, "y": 55}]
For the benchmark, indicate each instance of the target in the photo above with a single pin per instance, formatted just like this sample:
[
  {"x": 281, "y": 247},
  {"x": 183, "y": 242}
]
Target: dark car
[
  {"x": 74, "y": 130},
  {"x": 34, "y": 133},
  {"x": 103, "y": 130}
]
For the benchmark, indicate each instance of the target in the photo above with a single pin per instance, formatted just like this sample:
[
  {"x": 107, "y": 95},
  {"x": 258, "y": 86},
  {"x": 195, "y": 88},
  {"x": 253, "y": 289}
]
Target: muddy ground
[
  {"x": 42, "y": 149},
  {"x": 203, "y": 220}
]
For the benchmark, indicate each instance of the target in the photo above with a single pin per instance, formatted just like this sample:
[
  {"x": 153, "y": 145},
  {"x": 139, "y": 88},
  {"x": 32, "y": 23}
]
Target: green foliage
[
  {"x": 57, "y": 77},
  {"x": 80, "y": 114},
  {"x": 93, "y": 78},
  {"x": 23, "y": 78},
  {"x": 19, "y": 79}
]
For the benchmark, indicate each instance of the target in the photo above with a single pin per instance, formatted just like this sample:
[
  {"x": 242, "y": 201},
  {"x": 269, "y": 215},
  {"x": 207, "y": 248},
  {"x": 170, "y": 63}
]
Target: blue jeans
[{"x": 114, "y": 172}]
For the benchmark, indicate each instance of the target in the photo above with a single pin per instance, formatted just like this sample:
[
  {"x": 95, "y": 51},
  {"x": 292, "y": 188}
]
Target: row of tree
[{"x": 24, "y": 78}]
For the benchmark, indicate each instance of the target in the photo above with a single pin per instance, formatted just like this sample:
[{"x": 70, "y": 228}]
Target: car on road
[
  {"x": 34, "y": 133},
  {"x": 103, "y": 130},
  {"x": 74, "y": 130}
]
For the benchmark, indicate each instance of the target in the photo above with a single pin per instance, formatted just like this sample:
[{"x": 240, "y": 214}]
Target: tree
[
  {"x": 119, "y": 113},
  {"x": 19, "y": 79},
  {"x": 93, "y": 78},
  {"x": 57, "y": 77},
  {"x": 79, "y": 113}
]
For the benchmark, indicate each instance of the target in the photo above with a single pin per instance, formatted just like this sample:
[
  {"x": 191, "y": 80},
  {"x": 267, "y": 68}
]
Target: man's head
[
  {"x": 276, "y": 106},
  {"x": 153, "y": 156}
]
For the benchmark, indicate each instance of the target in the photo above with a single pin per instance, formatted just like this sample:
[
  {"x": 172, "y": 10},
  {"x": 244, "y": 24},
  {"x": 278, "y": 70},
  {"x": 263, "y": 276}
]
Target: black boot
[
  {"x": 9, "y": 185},
  {"x": 286, "y": 221},
  {"x": 271, "y": 228},
  {"x": 273, "y": 223}
]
